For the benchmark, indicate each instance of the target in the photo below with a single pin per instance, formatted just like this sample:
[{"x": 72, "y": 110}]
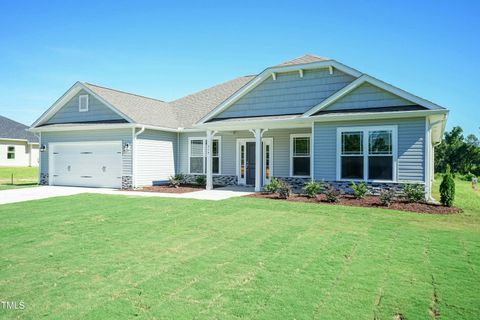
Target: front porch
[{"x": 250, "y": 157}]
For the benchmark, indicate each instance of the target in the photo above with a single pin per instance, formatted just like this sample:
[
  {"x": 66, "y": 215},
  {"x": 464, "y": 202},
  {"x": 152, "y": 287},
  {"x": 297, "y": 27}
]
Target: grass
[
  {"x": 22, "y": 177},
  {"x": 110, "y": 257}
]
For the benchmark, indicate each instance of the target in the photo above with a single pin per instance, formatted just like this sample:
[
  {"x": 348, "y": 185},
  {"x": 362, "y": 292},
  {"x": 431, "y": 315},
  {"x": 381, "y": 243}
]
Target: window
[
  {"x": 11, "y": 152},
  {"x": 300, "y": 151},
  {"x": 83, "y": 103},
  {"x": 366, "y": 153},
  {"x": 198, "y": 156}
]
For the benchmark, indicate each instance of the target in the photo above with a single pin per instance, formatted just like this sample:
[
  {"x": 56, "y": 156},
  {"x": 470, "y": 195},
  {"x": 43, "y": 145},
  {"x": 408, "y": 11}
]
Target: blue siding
[
  {"x": 97, "y": 111},
  {"x": 411, "y": 151},
  {"x": 368, "y": 96},
  {"x": 281, "y": 149},
  {"x": 288, "y": 94}
]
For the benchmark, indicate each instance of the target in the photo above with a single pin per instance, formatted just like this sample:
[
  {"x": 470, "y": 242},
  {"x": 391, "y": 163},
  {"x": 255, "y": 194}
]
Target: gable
[
  {"x": 97, "y": 111},
  {"x": 368, "y": 96},
  {"x": 288, "y": 94}
]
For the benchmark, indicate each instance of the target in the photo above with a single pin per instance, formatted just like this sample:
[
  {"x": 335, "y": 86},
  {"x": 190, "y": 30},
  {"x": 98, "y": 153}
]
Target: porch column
[
  {"x": 258, "y": 133},
  {"x": 210, "y": 135}
]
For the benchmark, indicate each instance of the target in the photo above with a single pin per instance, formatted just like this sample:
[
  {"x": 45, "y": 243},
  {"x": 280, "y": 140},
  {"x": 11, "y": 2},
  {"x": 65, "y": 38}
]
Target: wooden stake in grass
[{"x": 11, "y": 179}]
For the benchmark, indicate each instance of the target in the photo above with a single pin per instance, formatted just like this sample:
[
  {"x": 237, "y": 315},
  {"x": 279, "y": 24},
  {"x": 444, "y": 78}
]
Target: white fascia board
[
  {"x": 16, "y": 140},
  {"x": 74, "y": 127},
  {"x": 306, "y": 122},
  {"x": 268, "y": 73},
  {"x": 375, "y": 82},
  {"x": 67, "y": 96}
]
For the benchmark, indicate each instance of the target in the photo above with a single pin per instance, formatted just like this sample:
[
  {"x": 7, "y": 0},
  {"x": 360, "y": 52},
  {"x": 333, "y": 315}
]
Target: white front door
[
  {"x": 89, "y": 164},
  {"x": 267, "y": 160}
]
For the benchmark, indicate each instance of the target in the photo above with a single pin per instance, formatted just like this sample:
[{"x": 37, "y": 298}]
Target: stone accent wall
[
  {"x": 43, "y": 179},
  {"x": 127, "y": 182},
  {"x": 218, "y": 180},
  {"x": 294, "y": 182},
  {"x": 346, "y": 186}
]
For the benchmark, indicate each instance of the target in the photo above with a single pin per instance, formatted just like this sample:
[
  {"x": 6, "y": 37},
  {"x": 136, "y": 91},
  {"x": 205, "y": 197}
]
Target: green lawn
[
  {"x": 22, "y": 177},
  {"x": 113, "y": 257}
]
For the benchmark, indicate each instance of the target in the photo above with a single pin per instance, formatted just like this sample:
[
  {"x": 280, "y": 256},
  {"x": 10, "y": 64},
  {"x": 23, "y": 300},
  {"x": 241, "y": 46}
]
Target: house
[
  {"x": 18, "y": 147},
  {"x": 308, "y": 118}
]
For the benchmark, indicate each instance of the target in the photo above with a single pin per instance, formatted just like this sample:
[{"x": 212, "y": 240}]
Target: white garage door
[{"x": 92, "y": 164}]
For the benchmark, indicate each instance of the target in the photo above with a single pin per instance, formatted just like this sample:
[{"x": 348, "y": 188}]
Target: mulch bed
[
  {"x": 185, "y": 188},
  {"x": 368, "y": 202}
]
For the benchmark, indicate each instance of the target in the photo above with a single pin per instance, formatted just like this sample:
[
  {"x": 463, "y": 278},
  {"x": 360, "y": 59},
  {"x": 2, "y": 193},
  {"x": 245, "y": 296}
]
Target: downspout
[
  {"x": 312, "y": 152},
  {"x": 134, "y": 155},
  {"x": 39, "y": 136}
]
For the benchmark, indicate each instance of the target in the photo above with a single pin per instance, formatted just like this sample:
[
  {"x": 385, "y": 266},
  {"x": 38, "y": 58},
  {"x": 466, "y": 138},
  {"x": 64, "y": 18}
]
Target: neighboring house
[
  {"x": 309, "y": 118},
  {"x": 18, "y": 147}
]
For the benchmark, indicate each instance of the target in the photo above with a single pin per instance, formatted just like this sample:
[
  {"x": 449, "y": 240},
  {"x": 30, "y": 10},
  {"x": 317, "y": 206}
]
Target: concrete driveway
[
  {"x": 35, "y": 193},
  {"x": 43, "y": 192}
]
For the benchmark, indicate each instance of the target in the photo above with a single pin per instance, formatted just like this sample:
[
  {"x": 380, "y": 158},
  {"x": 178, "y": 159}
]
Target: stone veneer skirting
[
  {"x": 346, "y": 186},
  {"x": 127, "y": 182},
  {"x": 218, "y": 180},
  {"x": 43, "y": 179}
]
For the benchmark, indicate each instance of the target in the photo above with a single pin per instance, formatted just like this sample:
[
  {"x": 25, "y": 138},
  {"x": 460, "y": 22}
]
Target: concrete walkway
[{"x": 43, "y": 192}]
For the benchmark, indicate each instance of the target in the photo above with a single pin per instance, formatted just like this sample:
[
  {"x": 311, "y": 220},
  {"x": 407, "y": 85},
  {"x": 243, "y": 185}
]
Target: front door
[{"x": 251, "y": 163}]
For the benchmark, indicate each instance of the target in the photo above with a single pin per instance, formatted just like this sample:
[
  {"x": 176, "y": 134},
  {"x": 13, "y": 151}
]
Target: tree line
[{"x": 461, "y": 153}]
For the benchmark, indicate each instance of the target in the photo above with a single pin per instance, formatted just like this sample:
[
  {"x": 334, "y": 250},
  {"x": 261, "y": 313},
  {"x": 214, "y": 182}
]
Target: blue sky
[{"x": 167, "y": 50}]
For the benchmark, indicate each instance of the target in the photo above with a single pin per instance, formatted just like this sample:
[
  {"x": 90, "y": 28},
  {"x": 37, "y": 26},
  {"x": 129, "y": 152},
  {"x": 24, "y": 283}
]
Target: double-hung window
[
  {"x": 367, "y": 153},
  {"x": 300, "y": 155},
  {"x": 197, "y": 151},
  {"x": 11, "y": 152}
]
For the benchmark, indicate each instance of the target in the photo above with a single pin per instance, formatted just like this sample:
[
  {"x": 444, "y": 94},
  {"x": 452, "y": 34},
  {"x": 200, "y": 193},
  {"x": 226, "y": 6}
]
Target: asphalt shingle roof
[
  {"x": 10, "y": 129},
  {"x": 308, "y": 58}
]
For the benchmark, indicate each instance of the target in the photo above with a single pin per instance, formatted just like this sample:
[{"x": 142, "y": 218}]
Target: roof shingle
[{"x": 10, "y": 129}]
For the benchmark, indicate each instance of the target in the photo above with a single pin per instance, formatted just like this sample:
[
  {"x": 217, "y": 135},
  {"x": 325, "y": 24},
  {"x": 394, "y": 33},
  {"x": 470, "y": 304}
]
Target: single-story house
[
  {"x": 18, "y": 147},
  {"x": 308, "y": 118}
]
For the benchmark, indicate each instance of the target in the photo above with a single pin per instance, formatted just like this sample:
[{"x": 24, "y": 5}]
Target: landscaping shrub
[
  {"x": 447, "y": 189},
  {"x": 312, "y": 188},
  {"x": 273, "y": 186},
  {"x": 176, "y": 180},
  {"x": 469, "y": 177},
  {"x": 359, "y": 190},
  {"x": 387, "y": 197},
  {"x": 332, "y": 193},
  {"x": 284, "y": 190},
  {"x": 201, "y": 180},
  {"x": 414, "y": 192}
]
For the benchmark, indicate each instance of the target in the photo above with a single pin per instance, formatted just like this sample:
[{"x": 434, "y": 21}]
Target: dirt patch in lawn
[
  {"x": 368, "y": 202},
  {"x": 167, "y": 189}
]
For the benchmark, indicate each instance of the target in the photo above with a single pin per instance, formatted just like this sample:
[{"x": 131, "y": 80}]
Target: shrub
[
  {"x": 201, "y": 180},
  {"x": 447, "y": 189},
  {"x": 312, "y": 188},
  {"x": 469, "y": 177},
  {"x": 387, "y": 197},
  {"x": 359, "y": 190},
  {"x": 176, "y": 180},
  {"x": 414, "y": 192},
  {"x": 273, "y": 186},
  {"x": 332, "y": 193},
  {"x": 284, "y": 190}
]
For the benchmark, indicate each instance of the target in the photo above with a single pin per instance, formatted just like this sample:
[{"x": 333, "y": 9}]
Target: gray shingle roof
[
  {"x": 10, "y": 129},
  {"x": 308, "y": 58},
  {"x": 193, "y": 107},
  {"x": 138, "y": 108}
]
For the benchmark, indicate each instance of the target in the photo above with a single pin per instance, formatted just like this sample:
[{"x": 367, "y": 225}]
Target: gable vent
[{"x": 83, "y": 103}]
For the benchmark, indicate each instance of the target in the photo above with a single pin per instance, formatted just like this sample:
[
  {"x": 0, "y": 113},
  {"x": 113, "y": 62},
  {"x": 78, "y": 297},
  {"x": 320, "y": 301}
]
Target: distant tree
[{"x": 460, "y": 153}]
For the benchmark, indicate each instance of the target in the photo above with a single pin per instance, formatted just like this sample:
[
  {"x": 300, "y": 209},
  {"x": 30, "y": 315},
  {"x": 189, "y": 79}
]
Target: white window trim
[
  {"x": 204, "y": 139},
  {"x": 300, "y": 135},
  {"x": 243, "y": 141},
  {"x": 365, "y": 131},
  {"x": 83, "y": 96}
]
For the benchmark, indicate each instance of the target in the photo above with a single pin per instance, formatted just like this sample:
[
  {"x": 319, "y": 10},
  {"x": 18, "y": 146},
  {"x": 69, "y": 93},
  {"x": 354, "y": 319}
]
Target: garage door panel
[{"x": 91, "y": 164}]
